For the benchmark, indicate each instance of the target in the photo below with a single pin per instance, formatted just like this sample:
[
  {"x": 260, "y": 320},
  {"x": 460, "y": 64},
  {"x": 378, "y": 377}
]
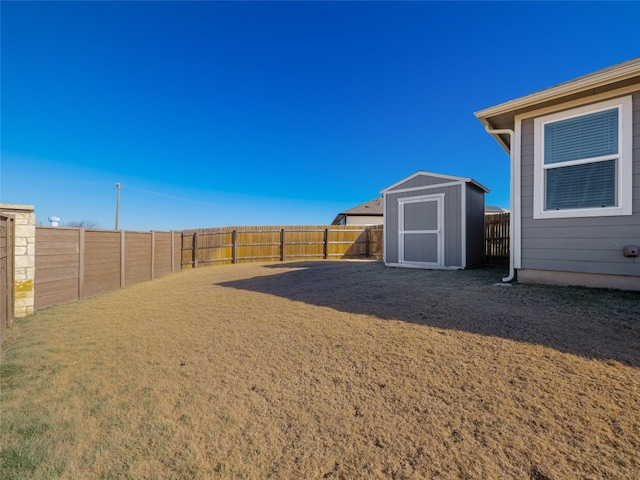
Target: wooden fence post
[
  {"x": 123, "y": 259},
  {"x": 326, "y": 243},
  {"x": 195, "y": 249},
  {"x": 8, "y": 281},
  {"x": 234, "y": 248},
  {"x": 282, "y": 245},
  {"x": 80, "y": 263},
  {"x": 153, "y": 255},
  {"x": 173, "y": 250}
]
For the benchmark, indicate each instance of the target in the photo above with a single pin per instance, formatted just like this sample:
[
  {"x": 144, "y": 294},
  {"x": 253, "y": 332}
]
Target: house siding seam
[{"x": 582, "y": 245}]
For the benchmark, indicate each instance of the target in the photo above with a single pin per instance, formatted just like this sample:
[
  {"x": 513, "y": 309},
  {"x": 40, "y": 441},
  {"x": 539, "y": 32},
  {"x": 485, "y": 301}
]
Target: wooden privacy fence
[
  {"x": 7, "y": 230},
  {"x": 257, "y": 244},
  {"x": 74, "y": 263},
  {"x": 497, "y": 231}
]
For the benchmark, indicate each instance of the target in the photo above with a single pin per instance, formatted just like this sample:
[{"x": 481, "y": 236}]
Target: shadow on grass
[{"x": 593, "y": 323}]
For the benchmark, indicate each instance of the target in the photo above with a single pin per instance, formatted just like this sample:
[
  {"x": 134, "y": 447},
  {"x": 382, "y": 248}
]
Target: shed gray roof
[{"x": 437, "y": 175}]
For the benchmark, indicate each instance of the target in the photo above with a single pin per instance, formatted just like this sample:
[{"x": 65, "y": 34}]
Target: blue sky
[{"x": 271, "y": 113}]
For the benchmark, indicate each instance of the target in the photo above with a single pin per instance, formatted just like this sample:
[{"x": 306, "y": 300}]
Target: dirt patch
[{"x": 338, "y": 370}]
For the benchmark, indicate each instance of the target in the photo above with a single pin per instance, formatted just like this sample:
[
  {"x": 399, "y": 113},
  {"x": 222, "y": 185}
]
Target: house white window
[{"x": 583, "y": 164}]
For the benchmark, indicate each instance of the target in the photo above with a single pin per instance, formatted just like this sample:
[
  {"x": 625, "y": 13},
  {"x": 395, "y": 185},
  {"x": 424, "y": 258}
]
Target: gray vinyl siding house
[
  {"x": 434, "y": 221},
  {"x": 575, "y": 161}
]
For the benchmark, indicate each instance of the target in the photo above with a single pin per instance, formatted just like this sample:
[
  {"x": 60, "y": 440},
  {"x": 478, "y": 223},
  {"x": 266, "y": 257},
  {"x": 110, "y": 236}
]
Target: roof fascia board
[
  {"x": 438, "y": 175},
  {"x": 436, "y": 186},
  {"x": 419, "y": 172},
  {"x": 337, "y": 219},
  {"x": 562, "y": 106},
  {"x": 595, "y": 80},
  {"x": 578, "y": 102}
]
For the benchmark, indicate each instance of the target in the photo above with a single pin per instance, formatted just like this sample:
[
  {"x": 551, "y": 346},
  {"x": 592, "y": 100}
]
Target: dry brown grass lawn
[{"x": 326, "y": 370}]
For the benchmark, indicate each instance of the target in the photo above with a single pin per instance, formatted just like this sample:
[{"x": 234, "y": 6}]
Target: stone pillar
[{"x": 25, "y": 257}]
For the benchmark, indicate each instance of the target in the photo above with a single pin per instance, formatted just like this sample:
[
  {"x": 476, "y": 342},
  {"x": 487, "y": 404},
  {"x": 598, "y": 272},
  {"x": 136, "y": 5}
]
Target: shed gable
[
  {"x": 422, "y": 179},
  {"x": 418, "y": 180}
]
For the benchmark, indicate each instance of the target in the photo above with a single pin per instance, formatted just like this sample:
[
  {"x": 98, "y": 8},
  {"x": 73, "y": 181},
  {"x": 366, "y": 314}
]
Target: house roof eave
[
  {"x": 607, "y": 76},
  {"x": 336, "y": 221}
]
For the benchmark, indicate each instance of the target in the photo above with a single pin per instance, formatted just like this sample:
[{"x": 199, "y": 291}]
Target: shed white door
[{"x": 421, "y": 224}]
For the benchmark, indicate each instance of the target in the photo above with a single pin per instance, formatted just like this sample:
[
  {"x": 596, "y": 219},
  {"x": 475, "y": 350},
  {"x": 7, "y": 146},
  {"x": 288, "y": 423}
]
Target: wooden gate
[
  {"x": 7, "y": 230},
  {"x": 497, "y": 229}
]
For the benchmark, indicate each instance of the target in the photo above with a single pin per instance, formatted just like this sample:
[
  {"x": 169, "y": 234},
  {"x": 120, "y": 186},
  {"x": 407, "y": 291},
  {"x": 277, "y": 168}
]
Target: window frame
[{"x": 624, "y": 178}]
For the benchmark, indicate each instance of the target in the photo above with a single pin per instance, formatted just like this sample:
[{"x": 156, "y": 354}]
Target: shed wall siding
[
  {"x": 452, "y": 223},
  {"x": 589, "y": 245},
  {"x": 391, "y": 228},
  {"x": 453, "y": 227},
  {"x": 475, "y": 226}
]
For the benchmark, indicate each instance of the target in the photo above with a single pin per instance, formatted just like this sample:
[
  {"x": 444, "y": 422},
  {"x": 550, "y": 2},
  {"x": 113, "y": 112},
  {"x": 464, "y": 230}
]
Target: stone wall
[{"x": 25, "y": 256}]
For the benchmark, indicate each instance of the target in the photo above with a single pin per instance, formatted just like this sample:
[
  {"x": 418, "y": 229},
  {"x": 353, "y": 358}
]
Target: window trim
[{"x": 624, "y": 158}]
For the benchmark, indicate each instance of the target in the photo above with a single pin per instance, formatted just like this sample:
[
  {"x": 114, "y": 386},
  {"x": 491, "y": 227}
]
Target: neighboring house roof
[
  {"x": 437, "y": 175},
  {"x": 375, "y": 208},
  {"x": 502, "y": 116},
  {"x": 372, "y": 208},
  {"x": 494, "y": 209}
]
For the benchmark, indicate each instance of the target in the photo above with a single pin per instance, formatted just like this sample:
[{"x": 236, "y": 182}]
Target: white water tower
[{"x": 54, "y": 221}]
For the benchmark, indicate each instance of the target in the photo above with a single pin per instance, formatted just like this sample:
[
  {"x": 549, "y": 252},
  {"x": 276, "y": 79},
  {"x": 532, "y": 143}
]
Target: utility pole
[{"x": 117, "y": 204}]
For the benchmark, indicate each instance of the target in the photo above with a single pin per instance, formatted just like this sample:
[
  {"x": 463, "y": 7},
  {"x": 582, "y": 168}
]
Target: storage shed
[{"x": 434, "y": 221}]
